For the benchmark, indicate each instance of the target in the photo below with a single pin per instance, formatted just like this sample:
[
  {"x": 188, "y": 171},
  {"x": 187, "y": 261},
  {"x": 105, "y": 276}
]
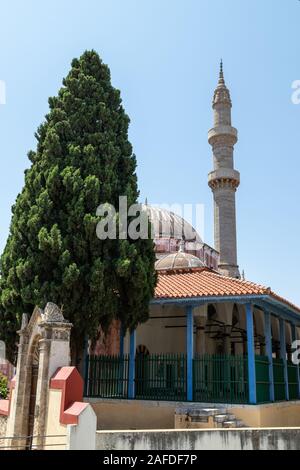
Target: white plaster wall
[
  {"x": 53, "y": 425},
  {"x": 156, "y": 337},
  {"x": 3, "y": 424},
  {"x": 83, "y": 435},
  {"x": 59, "y": 356},
  {"x": 9, "y": 427}
]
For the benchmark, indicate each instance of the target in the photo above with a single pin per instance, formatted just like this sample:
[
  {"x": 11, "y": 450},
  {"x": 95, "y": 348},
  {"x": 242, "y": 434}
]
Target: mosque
[
  {"x": 211, "y": 336},
  {"x": 216, "y": 351}
]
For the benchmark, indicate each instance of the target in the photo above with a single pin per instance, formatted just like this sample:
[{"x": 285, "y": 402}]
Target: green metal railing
[
  {"x": 293, "y": 383},
  {"x": 262, "y": 379},
  {"x": 160, "y": 377},
  {"x": 220, "y": 379},
  {"x": 107, "y": 376},
  {"x": 216, "y": 378},
  {"x": 279, "y": 384}
]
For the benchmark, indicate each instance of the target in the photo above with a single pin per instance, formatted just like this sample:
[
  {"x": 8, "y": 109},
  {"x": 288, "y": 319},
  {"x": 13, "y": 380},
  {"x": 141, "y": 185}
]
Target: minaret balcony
[
  {"x": 229, "y": 133},
  {"x": 224, "y": 175}
]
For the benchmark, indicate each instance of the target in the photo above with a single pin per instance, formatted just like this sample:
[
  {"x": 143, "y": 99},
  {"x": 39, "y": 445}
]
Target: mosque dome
[
  {"x": 173, "y": 235},
  {"x": 179, "y": 260},
  {"x": 167, "y": 224}
]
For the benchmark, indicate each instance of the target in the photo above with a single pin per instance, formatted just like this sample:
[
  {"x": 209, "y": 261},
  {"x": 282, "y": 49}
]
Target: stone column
[
  {"x": 200, "y": 317},
  {"x": 200, "y": 337},
  {"x": 227, "y": 339},
  {"x": 17, "y": 421}
]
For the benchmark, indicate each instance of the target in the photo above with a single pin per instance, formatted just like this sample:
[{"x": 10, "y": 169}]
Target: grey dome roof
[
  {"x": 179, "y": 260},
  {"x": 167, "y": 224}
]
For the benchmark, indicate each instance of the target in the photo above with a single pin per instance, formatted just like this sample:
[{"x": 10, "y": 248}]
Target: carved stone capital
[{"x": 55, "y": 330}]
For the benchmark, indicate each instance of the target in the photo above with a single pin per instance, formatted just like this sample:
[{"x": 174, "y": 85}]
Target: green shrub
[{"x": 3, "y": 386}]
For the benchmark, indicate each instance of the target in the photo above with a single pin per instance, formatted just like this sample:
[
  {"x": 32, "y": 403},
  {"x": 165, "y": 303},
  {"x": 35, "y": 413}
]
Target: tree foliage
[
  {"x": 83, "y": 158},
  {"x": 3, "y": 386}
]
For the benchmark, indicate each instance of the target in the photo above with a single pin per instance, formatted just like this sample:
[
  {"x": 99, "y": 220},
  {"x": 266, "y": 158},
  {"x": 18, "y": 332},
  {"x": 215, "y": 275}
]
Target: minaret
[{"x": 224, "y": 179}]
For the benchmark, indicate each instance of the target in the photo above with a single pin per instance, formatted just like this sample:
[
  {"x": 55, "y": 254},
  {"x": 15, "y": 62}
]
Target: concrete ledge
[{"x": 206, "y": 439}]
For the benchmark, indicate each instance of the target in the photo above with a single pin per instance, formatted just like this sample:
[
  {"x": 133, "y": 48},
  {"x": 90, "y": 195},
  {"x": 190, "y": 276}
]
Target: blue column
[
  {"x": 283, "y": 356},
  {"x": 251, "y": 354},
  {"x": 131, "y": 375},
  {"x": 268, "y": 337},
  {"x": 122, "y": 378},
  {"x": 86, "y": 365},
  {"x": 189, "y": 351},
  {"x": 121, "y": 341},
  {"x": 294, "y": 338}
]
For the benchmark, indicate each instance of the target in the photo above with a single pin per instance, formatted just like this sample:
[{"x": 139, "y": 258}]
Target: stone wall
[
  {"x": 223, "y": 439},
  {"x": 147, "y": 414},
  {"x": 3, "y": 422},
  {"x": 133, "y": 414}
]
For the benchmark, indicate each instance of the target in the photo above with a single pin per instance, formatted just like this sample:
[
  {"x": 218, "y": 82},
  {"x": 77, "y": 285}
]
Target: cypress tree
[{"x": 83, "y": 158}]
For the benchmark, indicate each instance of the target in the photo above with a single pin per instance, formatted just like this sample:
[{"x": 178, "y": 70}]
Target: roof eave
[{"x": 266, "y": 301}]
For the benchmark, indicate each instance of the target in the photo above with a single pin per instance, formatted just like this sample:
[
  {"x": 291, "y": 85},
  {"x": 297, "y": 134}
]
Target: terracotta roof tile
[{"x": 203, "y": 282}]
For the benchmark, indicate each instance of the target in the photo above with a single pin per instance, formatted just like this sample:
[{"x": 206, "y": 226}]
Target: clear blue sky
[{"x": 164, "y": 56}]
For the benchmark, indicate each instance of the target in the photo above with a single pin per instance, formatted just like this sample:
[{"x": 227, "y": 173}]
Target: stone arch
[
  {"x": 43, "y": 347},
  {"x": 33, "y": 361}
]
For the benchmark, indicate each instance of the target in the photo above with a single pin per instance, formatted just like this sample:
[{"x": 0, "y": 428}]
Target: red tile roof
[{"x": 203, "y": 282}]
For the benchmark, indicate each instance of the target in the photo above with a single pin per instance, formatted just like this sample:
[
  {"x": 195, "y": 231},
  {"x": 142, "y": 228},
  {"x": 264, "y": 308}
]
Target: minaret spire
[
  {"x": 224, "y": 179},
  {"x": 221, "y": 74}
]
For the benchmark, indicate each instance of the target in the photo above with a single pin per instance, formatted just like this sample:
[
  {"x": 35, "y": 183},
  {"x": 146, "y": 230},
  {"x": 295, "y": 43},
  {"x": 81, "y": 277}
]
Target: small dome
[{"x": 179, "y": 260}]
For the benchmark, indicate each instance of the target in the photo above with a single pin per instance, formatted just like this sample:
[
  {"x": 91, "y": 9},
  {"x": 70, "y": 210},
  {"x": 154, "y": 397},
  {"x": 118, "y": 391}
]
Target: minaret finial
[{"x": 221, "y": 74}]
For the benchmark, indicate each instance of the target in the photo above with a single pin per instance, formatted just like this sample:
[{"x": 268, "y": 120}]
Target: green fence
[
  {"x": 293, "y": 382},
  {"x": 220, "y": 379},
  {"x": 216, "y": 378},
  {"x": 262, "y": 379},
  {"x": 279, "y": 384},
  {"x": 160, "y": 377},
  {"x": 106, "y": 376}
]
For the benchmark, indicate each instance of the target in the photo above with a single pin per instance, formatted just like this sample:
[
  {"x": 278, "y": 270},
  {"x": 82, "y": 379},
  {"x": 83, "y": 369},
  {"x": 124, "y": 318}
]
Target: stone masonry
[{"x": 224, "y": 179}]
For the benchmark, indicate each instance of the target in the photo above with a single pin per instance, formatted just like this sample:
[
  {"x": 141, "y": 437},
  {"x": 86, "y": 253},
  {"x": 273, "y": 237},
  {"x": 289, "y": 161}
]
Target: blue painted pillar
[
  {"x": 122, "y": 379},
  {"x": 86, "y": 365},
  {"x": 189, "y": 351},
  {"x": 283, "y": 356},
  {"x": 251, "y": 354},
  {"x": 294, "y": 338},
  {"x": 121, "y": 341},
  {"x": 131, "y": 374},
  {"x": 268, "y": 337}
]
